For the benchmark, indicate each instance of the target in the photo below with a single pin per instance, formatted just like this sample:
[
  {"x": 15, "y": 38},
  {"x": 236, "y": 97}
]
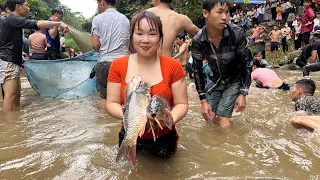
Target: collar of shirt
[{"x": 204, "y": 35}]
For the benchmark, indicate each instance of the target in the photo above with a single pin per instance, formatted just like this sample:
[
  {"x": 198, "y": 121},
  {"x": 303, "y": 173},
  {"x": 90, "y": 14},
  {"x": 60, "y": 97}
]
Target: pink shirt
[
  {"x": 264, "y": 76},
  {"x": 38, "y": 42}
]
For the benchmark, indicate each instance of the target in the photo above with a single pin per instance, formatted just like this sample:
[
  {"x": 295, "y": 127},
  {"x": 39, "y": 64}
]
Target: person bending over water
[
  {"x": 165, "y": 74},
  {"x": 266, "y": 78},
  {"x": 306, "y": 105}
]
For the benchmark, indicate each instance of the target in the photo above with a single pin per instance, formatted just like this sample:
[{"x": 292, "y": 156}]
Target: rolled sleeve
[
  {"x": 95, "y": 29},
  {"x": 197, "y": 64},
  {"x": 245, "y": 57}
]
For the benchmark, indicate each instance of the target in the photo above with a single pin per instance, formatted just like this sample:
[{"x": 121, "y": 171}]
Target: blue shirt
[
  {"x": 315, "y": 29},
  {"x": 54, "y": 43}
]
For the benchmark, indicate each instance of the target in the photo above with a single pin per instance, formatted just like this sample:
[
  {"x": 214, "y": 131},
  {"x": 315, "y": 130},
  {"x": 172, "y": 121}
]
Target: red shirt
[
  {"x": 171, "y": 70},
  {"x": 307, "y": 16}
]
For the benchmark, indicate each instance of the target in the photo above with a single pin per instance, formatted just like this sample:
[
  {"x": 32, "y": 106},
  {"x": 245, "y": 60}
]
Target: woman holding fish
[{"x": 142, "y": 87}]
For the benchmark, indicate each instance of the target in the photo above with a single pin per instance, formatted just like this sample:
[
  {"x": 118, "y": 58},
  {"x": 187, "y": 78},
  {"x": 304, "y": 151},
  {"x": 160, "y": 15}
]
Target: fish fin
[
  {"x": 153, "y": 134},
  {"x": 132, "y": 154},
  {"x": 142, "y": 132},
  {"x": 123, "y": 151},
  {"x": 169, "y": 123}
]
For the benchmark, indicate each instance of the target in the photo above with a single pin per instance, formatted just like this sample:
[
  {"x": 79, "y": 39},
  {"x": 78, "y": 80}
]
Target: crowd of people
[{"x": 218, "y": 57}]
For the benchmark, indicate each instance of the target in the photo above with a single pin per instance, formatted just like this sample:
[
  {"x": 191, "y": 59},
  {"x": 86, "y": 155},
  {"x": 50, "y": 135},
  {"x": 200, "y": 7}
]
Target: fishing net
[{"x": 63, "y": 78}]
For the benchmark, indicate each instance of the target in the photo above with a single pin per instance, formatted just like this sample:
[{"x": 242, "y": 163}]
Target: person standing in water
[
  {"x": 172, "y": 22},
  {"x": 165, "y": 74},
  {"x": 11, "y": 49},
  {"x": 52, "y": 35},
  {"x": 110, "y": 37},
  {"x": 225, "y": 47}
]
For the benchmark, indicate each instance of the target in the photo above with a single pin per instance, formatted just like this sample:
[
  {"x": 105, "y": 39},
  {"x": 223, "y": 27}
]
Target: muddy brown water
[{"x": 73, "y": 139}]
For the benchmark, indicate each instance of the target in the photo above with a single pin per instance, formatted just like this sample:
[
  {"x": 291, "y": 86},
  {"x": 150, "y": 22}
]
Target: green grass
[{"x": 70, "y": 43}]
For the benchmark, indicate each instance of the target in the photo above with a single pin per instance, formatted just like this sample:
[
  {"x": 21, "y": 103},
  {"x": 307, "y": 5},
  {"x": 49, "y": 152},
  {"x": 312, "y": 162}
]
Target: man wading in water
[
  {"x": 225, "y": 47},
  {"x": 172, "y": 23},
  {"x": 110, "y": 37},
  {"x": 11, "y": 49}
]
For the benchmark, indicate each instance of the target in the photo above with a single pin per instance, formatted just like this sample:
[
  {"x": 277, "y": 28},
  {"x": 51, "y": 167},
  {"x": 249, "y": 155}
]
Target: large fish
[
  {"x": 135, "y": 120},
  {"x": 157, "y": 110}
]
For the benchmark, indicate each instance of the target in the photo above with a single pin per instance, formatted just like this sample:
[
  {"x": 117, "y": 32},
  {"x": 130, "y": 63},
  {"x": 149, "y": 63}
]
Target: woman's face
[{"x": 146, "y": 39}]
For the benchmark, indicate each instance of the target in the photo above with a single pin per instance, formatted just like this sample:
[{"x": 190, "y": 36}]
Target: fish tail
[{"x": 127, "y": 151}]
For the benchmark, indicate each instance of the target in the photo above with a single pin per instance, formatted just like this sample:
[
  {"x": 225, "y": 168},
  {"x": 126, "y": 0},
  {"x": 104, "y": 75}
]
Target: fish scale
[{"x": 135, "y": 119}]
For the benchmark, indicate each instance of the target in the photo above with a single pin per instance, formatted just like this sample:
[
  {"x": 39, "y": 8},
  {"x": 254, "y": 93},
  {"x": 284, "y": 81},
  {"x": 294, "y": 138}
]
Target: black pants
[
  {"x": 306, "y": 37},
  {"x": 301, "y": 62},
  {"x": 54, "y": 54},
  {"x": 284, "y": 43},
  {"x": 297, "y": 42},
  {"x": 274, "y": 13},
  {"x": 311, "y": 68},
  {"x": 39, "y": 56},
  {"x": 164, "y": 146}
]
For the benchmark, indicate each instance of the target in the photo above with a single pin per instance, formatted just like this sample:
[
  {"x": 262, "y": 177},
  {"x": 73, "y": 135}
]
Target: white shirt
[
  {"x": 316, "y": 22},
  {"x": 63, "y": 42}
]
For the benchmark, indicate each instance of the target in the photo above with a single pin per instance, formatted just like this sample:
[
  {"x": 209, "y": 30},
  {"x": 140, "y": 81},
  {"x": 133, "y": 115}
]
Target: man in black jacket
[{"x": 225, "y": 47}]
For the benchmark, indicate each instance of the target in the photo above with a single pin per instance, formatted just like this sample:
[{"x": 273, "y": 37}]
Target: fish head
[
  {"x": 156, "y": 108},
  {"x": 144, "y": 88},
  {"x": 132, "y": 85}
]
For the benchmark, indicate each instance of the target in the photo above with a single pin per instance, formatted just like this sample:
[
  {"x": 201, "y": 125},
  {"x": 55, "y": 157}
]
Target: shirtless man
[
  {"x": 183, "y": 50},
  {"x": 172, "y": 23},
  {"x": 275, "y": 36}
]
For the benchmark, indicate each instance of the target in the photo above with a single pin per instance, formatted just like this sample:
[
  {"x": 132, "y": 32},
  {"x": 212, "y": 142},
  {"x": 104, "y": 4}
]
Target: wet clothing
[
  {"x": 228, "y": 62},
  {"x": 11, "y": 37},
  {"x": 164, "y": 146},
  {"x": 264, "y": 76},
  {"x": 308, "y": 103},
  {"x": 171, "y": 72},
  {"x": 222, "y": 98},
  {"x": 284, "y": 87},
  {"x": 8, "y": 71},
  {"x": 39, "y": 56},
  {"x": 112, "y": 28},
  {"x": 102, "y": 70}
]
